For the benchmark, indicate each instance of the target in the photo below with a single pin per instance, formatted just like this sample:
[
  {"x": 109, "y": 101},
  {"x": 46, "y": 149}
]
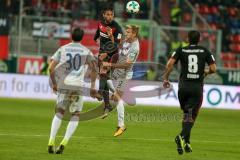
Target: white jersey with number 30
[{"x": 75, "y": 56}]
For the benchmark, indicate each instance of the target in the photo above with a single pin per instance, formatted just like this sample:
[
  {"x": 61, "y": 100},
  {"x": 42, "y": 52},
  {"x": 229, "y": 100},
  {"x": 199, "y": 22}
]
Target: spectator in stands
[
  {"x": 144, "y": 9},
  {"x": 175, "y": 15},
  {"x": 10, "y": 7},
  {"x": 64, "y": 8},
  {"x": 45, "y": 65},
  {"x": 157, "y": 6},
  {"x": 76, "y": 10},
  {"x": 99, "y": 5},
  {"x": 38, "y": 8},
  {"x": 119, "y": 8},
  {"x": 85, "y": 8},
  {"x": 151, "y": 73}
]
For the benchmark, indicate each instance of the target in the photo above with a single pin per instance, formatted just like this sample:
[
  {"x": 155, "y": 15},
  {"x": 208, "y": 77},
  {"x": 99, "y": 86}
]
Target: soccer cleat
[
  {"x": 107, "y": 109},
  {"x": 188, "y": 148},
  {"x": 179, "y": 141},
  {"x": 51, "y": 149},
  {"x": 119, "y": 131},
  {"x": 60, "y": 149}
]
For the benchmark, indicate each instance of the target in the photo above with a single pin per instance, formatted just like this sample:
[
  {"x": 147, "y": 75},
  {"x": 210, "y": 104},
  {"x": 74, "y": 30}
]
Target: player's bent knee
[
  {"x": 75, "y": 116},
  {"x": 60, "y": 111}
]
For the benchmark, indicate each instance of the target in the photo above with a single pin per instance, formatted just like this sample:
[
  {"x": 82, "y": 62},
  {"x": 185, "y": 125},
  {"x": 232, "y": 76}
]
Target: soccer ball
[{"x": 133, "y": 7}]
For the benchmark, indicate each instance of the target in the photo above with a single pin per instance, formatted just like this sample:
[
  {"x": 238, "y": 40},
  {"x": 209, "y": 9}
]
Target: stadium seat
[
  {"x": 187, "y": 17},
  {"x": 204, "y": 9},
  {"x": 214, "y": 10},
  {"x": 232, "y": 11},
  {"x": 214, "y": 26},
  {"x": 228, "y": 56},
  {"x": 235, "y": 38},
  {"x": 235, "y": 47},
  {"x": 230, "y": 64}
]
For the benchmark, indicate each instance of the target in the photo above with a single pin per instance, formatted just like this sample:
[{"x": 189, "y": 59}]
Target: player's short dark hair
[
  {"x": 107, "y": 8},
  {"x": 77, "y": 34},
  {"x": 193, "y": 37}
]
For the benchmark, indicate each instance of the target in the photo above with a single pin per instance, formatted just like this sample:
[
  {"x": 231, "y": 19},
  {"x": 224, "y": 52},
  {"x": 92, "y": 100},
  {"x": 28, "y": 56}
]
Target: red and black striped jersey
[{"x": 102, "y": 33}]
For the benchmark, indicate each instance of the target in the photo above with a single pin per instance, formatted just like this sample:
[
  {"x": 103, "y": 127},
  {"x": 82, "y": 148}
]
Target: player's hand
[
  {"x": 102, "y": 56},
  {"x": 109, "y": 31},
  {"x": 166, "y": 84},
  {"x": 206, "y": 72},
  {"x": 98, "y": 41},
  {"x": 93, "y": 93},
  {"x": 106, "y": 64},
  {"x": 54, "y": 87}
]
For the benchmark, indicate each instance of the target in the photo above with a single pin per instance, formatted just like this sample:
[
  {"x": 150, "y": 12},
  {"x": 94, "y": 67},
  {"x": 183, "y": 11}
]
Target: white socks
[
  {"x": 56, "y": 123},
  {"x": 72, "y": 126},
  {"x": 120, "y": 110}
]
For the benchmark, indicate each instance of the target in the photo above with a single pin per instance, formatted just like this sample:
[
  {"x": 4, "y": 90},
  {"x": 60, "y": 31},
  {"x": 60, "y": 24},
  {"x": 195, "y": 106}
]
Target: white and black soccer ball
[{"x": 132, "y": 7}]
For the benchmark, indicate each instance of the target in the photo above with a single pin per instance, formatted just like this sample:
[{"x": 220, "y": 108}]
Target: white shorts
[
  {"x": 120, "y": 84},
  {"x": 70, "y": 101}
]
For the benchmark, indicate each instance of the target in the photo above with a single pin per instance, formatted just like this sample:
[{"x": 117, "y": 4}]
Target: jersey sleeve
[
  {"x": 97, "y": 34},
  {"x": 133, "y": 54},
  {"x": 176, "y": 54},
  {"x": 118, "y": 34},
  {"x": 57, "y": 55},
  {"x": 210, "y": 58},
  {"x": 90, "y": 57}
]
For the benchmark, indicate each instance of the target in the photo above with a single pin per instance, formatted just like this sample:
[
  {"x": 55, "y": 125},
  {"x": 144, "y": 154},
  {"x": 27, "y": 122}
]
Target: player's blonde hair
[{"x": 134, "y": 28}]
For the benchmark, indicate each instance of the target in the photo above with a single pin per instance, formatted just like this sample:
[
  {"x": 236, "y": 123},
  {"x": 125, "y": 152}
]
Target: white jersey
[
  {"x": 128, "y": 51},
  {"x": 76, "y": 56}
]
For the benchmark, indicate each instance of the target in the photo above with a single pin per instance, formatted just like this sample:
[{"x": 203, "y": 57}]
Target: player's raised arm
[{"x": 118, "y": 65}]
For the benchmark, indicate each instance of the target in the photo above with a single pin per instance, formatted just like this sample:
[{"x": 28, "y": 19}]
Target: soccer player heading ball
[
  {"x": 108, "y": 31},
  {"x": 190, "y": 94},
  {"x": 127, "y": 55}
]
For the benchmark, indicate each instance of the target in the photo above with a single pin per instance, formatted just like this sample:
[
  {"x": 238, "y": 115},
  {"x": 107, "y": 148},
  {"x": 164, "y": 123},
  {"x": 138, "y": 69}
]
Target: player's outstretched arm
[{"x": 125, "y": 65}]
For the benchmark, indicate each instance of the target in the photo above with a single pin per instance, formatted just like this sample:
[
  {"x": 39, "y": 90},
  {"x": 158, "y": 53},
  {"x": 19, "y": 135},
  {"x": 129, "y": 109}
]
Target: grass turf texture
[{"x": 25, "y": 126}]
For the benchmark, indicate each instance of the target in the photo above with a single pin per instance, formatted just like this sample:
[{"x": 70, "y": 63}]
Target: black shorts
[{"x": 190, "y": 99}]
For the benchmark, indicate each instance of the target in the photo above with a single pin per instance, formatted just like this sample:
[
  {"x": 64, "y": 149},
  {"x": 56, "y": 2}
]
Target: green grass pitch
[{"x": 25, "y": 126}]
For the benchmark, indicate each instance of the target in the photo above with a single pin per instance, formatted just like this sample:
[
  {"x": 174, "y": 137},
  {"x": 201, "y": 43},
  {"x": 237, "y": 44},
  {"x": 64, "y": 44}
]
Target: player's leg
[
  {"x": 111, "y": 87},
  {"x": 195, "y": 102},
  {"x": 120, "y": 85},
  {"x": 104, "y": 91},
  {"x": 120, "y": 112},
  {"x": 56, "y": 122},
  {"x": 75, "y": 108},
  {"x": 191, "y": 107},
  {"x": 72, "y": 126},
  {"x": 179, "y": 139}
]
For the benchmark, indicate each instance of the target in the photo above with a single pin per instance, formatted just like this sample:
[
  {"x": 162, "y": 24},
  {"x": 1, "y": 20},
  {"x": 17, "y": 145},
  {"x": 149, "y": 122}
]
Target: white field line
[{"x": 109, "y": 138}]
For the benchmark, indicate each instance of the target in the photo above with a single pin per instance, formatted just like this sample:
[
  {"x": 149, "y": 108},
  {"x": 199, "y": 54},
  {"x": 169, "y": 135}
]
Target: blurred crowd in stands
[
  {"x": 73, "y": 8},
  {"x": 224, "y": 15},
  {"x": 219, "y": 14}
]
